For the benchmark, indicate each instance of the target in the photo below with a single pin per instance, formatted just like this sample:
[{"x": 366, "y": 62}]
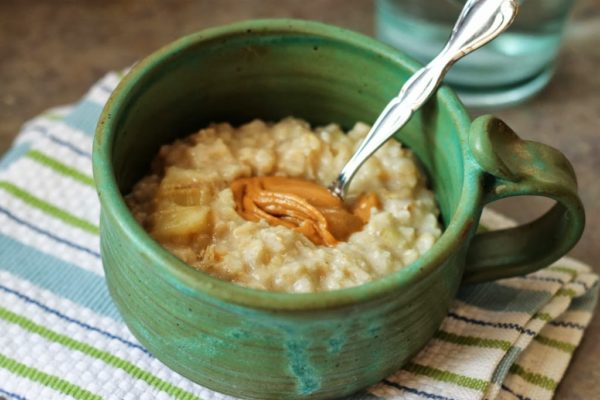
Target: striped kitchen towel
[{"x": 61, "y": 336}]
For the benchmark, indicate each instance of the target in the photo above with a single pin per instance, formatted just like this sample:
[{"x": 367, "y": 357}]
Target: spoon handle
[{"x": 479, "y": 22}]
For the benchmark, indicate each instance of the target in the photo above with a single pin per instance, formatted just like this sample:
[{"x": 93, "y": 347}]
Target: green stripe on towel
[
  {"x": 566, "y": 270},
  {"x": 534, "y": 378},
  {"x": 557, "y": 344},
  {"x": 93, "y": 352},
  {"x": 59, "y": 167},
  {"x": 447, "y": 376},
  {"x": 566, "y": 292},
  {"x": 54, "y": 115},
  {"x": 543, "y": 316},
  {"x": 472, "y": 340},
  {"x": 51, "y": 381},
  {"x": 49, "y": 208}
]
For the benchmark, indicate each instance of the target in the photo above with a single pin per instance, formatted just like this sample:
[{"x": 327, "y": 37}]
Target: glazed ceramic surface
[{"x": 258, "y": 344}]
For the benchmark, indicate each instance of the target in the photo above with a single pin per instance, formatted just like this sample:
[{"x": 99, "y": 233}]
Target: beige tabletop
[{"x": 52, "y": 51}]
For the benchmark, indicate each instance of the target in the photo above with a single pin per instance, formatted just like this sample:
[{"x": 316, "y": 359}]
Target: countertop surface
[{"x": 52, "y": 51}]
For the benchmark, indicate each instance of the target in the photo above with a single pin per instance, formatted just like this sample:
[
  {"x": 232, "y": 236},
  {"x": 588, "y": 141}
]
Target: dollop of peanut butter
[{"x": 303, "y": 206}]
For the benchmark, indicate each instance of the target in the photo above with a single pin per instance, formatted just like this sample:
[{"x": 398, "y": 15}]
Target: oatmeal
[{"x": 188, "y": 205}]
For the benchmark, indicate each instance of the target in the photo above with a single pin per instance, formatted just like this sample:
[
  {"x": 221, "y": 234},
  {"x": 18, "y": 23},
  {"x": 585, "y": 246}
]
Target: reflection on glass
[{"x": 510, "y": 69}]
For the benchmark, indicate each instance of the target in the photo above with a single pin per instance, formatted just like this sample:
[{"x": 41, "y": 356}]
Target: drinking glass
[{"x": 510, "y": 69}]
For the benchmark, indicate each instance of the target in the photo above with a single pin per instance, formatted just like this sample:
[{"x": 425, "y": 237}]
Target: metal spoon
[{"x": 479, "y": 22}]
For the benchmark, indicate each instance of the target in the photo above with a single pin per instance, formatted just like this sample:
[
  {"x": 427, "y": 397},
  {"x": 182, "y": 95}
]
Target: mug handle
[{"x": 516, "y": 167}]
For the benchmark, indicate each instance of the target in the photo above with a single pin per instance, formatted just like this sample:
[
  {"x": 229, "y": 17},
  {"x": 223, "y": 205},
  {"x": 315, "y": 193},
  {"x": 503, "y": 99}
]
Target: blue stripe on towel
[
  {"x": 502, "y": 325},
  {"x": 72, "y": 320},
  {"x": 28, "y": 263},
  {"x": 61, "y": 142},
  {"x": 503, "y": 368},
  {"x": 496, "y": 297},
  {"x": 14, "y": 154},
  {"x": 518, "y": 396},
  {"x": 12, "y": 395},
  {"x": 567, "y": 324},
  {"x": 47, "y": 234},
  {"x": 417, "y": 392},
  {"x": 105, "y": 87},
  {"x": 84, "y": 117},
  {"x": 586, "y": 302}
]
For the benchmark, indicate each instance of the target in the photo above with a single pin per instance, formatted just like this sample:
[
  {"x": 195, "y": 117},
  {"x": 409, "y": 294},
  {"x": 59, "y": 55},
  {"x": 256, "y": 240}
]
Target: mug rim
[{"x": 199, "y": 283}]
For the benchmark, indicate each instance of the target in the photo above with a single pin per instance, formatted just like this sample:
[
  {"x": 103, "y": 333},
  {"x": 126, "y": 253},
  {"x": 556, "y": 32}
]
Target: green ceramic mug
[{"x": 258, "y": 344}]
